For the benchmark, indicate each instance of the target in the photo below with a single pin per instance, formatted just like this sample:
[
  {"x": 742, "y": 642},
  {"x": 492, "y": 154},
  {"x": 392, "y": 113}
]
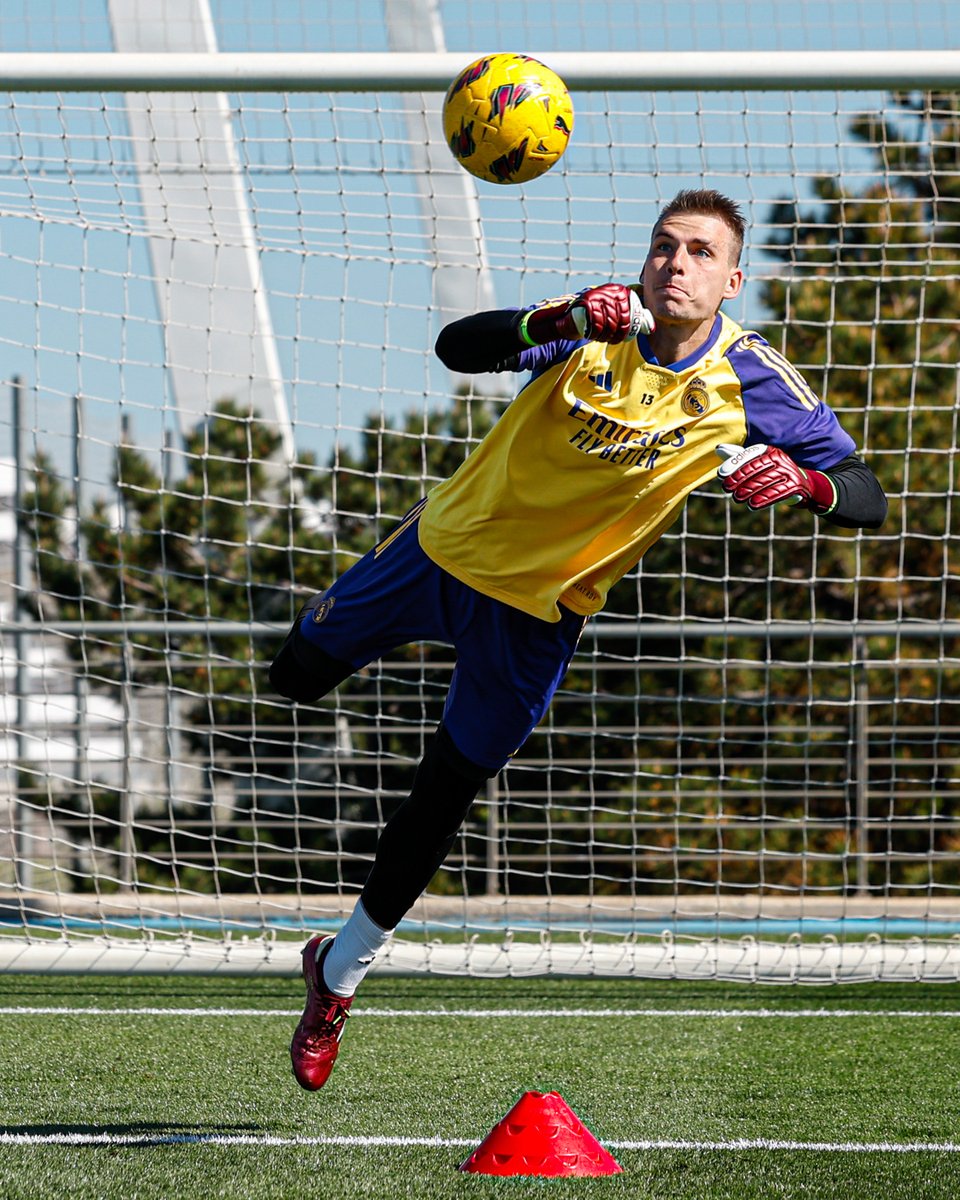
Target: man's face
[{"x": 689, "y": 269}]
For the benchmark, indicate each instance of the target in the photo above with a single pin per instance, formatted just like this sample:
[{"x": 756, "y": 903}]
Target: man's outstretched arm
[
  {"x": 494, "y": 341},
  {"x": 847, "y": 494}
]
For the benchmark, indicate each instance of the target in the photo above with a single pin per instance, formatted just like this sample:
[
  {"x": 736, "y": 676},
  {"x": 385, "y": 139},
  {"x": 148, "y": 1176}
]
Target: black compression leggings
[{"x": 418, "y": 836}]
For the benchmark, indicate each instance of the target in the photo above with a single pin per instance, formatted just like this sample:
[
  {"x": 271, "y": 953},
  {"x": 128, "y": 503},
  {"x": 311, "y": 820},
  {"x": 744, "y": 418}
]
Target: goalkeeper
[{"x": 626, "y": 405}]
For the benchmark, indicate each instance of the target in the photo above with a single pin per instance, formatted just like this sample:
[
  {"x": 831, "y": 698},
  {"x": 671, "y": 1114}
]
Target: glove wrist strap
[
  {"x": 823, "y": 498},
  {"x": 543, "y": 324},
  {"x": 522, "y": 329}
]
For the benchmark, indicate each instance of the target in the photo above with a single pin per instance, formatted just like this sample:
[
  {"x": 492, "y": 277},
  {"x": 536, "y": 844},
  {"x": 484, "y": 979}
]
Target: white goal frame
[{"x": 791, "y": 960}]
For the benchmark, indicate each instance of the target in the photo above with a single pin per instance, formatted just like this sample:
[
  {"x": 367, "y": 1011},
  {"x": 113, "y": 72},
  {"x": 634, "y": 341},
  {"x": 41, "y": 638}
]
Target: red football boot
[{"x": 316, "y": 1039}]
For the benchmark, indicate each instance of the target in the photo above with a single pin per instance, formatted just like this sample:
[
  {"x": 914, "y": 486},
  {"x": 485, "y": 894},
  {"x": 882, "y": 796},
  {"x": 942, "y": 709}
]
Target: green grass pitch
[{"x": 700, "y": 1091}]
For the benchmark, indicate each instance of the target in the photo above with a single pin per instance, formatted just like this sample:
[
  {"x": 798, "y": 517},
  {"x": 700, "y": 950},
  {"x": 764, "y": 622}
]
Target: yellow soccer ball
[{"x": 507, "y": 118}]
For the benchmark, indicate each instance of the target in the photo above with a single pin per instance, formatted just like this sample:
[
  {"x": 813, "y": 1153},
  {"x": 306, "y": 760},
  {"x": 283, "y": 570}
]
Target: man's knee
[
  {"x": 447, "y": 781},
  {"x": 304, "y": 672},
  {"x": 446, "y": 752}
]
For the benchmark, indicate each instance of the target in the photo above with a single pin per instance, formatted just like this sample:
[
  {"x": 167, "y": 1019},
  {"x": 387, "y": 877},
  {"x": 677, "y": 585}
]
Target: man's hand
[
  {"x": 609, "y": 313},
  {"x": 761, "y": 476}
]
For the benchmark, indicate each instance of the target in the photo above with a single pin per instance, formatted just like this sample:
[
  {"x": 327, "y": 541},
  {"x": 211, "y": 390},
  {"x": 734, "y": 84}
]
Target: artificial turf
[{"x": 171, "y": 1091}]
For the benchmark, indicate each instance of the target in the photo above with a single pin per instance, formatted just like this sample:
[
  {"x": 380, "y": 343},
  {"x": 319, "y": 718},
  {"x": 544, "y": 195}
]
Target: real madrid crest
[
  {"x": 695, "y": 399},
  {"x": 323, "y": 609}
]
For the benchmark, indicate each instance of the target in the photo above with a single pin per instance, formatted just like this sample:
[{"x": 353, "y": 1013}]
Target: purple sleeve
[
  {"x": 782, "y": 410},
  {"x": 538, "y": 359}
]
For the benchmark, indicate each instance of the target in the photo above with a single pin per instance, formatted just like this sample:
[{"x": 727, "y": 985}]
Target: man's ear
[{"x": 734, "y": 284}]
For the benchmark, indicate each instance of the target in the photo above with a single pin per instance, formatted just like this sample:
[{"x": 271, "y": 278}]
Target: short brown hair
[{"x": 706, "y": 202}]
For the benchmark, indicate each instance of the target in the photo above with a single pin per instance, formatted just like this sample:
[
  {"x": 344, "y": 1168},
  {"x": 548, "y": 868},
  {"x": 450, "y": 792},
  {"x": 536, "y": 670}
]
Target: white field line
[
  {"x": 90, "y": 1138},
  {"x": 480, "y": 1013}
]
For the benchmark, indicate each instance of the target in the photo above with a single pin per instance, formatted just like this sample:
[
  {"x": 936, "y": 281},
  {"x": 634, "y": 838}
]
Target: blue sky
[{"x": 358, "y": 25}]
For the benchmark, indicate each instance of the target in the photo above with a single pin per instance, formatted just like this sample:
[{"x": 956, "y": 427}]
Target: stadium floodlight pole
[
  {"x": 191, "y": 180},
  {"x": 417, "y": 71}
]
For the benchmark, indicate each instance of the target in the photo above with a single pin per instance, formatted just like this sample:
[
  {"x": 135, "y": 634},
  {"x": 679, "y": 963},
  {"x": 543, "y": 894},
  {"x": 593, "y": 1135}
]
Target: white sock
[{"x": 353, "y": 951}]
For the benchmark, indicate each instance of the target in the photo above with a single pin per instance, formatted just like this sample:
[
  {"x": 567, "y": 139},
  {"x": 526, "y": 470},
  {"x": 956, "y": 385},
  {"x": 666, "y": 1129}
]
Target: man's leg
[
  {"x": 419, "y": 835},
  {"x": 414, "y": 843},
  {"x": 495, "y": 700},
  {"x": 301, "y": 670}
]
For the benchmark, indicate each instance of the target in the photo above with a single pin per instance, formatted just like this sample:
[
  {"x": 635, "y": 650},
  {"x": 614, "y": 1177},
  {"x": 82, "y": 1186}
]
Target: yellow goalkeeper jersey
[{"x": 595, "y": 457}]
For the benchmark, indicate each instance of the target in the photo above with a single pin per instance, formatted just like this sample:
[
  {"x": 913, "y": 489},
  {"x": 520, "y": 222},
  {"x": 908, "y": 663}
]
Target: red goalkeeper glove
[
  {"x": 609, "y": 313},
  {"x": 761, "y": 476}
]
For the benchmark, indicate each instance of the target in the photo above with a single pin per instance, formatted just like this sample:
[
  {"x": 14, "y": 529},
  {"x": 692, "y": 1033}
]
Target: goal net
[{"x": 217, "y": 314}]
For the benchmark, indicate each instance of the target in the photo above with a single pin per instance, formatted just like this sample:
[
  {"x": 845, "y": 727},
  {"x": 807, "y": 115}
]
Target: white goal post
[
  {"x": 221, "y": 278},
  {"x": 608, "y": 71}
]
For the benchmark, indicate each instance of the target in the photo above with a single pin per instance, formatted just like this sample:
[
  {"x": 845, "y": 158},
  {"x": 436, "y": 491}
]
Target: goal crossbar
[{"x": 417, "y": 72}]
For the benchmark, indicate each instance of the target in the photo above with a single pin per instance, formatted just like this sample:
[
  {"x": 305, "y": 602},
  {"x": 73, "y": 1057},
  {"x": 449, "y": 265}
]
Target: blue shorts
[{"x": 509, "y": 664}]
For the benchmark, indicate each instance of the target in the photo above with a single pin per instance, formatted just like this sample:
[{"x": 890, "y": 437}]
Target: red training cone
[{"x": 540, "y": 1135}]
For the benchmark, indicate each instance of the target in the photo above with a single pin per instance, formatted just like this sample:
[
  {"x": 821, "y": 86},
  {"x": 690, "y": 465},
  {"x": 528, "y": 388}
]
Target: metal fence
[{"x": 117, "y": 780}]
